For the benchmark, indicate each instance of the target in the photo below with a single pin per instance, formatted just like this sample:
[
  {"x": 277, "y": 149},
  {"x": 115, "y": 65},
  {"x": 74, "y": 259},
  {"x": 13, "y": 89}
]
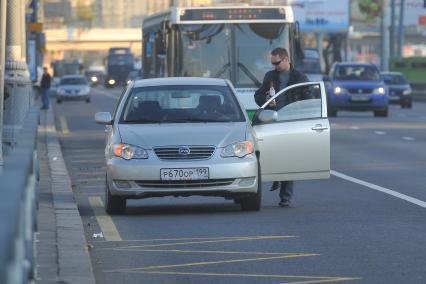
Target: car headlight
[
  {"x": 129, "y": 152},
  {"x": 94, "y": 79},
  {"x": 111, "y": 81},
  {"x": 339, "y": 90},
  {"x": 239, "y": 149},
  {"x": 379, "y": 90},
  {"x": 407, "y": 92}
]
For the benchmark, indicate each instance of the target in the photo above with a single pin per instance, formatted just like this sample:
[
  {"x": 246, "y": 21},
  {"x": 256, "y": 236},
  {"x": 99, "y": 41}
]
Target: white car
[{"x": 191, "y": 136}]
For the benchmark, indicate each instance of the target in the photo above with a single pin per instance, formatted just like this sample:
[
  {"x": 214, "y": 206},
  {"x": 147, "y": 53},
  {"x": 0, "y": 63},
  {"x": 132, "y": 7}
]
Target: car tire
[
  {"x": 253, "y": 202},
  {"x": 88, "y": 100},
  {"x": 113, "y": 204},
  {"x": 58, "y": 102},
  {"x": 381, "y": 113},
  {"x": 409, "y": 104}
]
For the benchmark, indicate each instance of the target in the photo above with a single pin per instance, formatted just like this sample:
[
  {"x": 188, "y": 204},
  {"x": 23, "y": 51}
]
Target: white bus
[{"x": 224, "y": 42}]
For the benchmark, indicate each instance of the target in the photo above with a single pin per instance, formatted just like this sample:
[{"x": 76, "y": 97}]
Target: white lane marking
[
  {"x": 355, "y": 127},
  {"x": 380, "y": 188},
  {"x": 408, "y": 138},
  {"x": 105, "y": 222},
  {"x": 380, "y": 132}
]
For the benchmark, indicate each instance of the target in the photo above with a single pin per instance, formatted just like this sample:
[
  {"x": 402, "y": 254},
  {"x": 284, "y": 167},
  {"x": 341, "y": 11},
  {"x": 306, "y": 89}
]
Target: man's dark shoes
[
  {"x": 284, "y": 203},
  {"x": 275, "y": 185}
]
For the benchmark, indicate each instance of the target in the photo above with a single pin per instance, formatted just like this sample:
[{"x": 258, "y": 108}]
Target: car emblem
[
  {"x": 184, "y": 151},
  {"x": 359, "y": 91}
]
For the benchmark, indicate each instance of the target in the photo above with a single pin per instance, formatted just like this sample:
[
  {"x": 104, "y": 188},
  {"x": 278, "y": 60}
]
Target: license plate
[
  {"x": 360, "y": 98},
  {"x": 184, "y": 174}
]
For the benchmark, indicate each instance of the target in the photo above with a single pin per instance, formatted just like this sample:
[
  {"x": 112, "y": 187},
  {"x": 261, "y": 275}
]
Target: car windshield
[
  {"x": 394, "y": 79},
  {"x": 180, "y": 104},
  {"x": 73, "y": 81},
  {"x": 357, "y": 73}
]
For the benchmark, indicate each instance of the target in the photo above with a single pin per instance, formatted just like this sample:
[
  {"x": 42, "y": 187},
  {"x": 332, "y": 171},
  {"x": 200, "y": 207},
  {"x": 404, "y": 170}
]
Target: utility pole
[
  {"x": 384, "y": 55},
  {"x": 392, "y": 30},
  {"x": 401, "y": 29},
  {"x": 3, "y": 8}
]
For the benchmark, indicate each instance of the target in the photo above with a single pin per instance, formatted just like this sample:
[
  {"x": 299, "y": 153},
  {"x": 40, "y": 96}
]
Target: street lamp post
[{"x": 2, "y": 62}]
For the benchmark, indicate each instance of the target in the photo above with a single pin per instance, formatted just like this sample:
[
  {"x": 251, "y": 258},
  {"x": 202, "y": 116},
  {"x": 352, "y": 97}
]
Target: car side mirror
[
  {"x": 267, "y": 116},
  {"x": 103, "y": 118},
  {"x": 326, "y": 78}
]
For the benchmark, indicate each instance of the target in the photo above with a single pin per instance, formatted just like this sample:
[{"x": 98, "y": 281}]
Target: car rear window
[{"x": 168, "y": 104}]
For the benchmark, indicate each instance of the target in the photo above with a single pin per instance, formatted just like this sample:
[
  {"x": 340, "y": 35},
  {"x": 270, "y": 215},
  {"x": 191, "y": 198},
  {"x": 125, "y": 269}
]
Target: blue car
[{"x": 356, "y": 87}]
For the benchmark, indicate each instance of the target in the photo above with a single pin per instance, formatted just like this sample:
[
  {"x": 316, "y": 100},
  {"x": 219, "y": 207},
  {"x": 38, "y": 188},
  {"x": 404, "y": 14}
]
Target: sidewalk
[{"x": 61, "y": 248}]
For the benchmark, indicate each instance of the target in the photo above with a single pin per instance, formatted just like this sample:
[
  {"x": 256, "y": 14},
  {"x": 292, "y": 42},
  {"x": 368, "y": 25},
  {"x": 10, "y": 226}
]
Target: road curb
[{"x": 74, "y": 264}]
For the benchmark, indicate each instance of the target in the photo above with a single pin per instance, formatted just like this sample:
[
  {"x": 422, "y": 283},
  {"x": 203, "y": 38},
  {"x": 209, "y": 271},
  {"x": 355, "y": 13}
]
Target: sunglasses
[{"x": 277, "y": 62}]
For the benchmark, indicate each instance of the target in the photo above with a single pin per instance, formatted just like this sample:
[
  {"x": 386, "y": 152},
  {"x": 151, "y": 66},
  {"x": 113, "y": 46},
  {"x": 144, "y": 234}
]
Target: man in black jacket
[
  {"x": 282, "y": 76},
  {"x": 44, "y": 87}
]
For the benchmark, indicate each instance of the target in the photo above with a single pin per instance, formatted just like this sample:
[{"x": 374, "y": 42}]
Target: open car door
[{"x": 293, "y": 134}]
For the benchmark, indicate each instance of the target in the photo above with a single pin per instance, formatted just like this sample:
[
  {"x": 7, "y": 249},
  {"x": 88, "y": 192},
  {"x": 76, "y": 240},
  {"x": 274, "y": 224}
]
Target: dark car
[
  {"x": 357, "y": 87},
  {"x": 399, "y": 89},
  {"x": 95, "y": 77}
]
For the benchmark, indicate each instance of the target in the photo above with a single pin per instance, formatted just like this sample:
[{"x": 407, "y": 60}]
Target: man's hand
[{"x": 272, "y": 103}]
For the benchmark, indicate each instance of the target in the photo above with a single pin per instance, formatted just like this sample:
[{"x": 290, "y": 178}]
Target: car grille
[
  {"x": 176, "y": 153},
  {"x": 184, "y": 183},
  {"x": 360, "y": 91}
]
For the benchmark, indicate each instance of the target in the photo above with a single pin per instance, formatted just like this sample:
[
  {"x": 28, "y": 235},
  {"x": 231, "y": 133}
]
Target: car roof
[
  {"x": 194, "y": 81},
  {"x": 72, "y": 76},
  {"x": 392, "y": 73},
  {"x": 354, "y": 64}
]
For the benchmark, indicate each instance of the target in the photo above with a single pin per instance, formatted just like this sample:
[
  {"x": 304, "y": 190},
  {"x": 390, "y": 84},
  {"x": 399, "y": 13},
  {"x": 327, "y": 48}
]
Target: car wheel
[
  {"x": 58, "y": 101},
  {"x": 254, "y": 202},
  {"x": 409, "y": 104},
  {"x": 381, "y": 113},
  {"x": 88, "y": 100},
  {"x": 113, "y": 204}
]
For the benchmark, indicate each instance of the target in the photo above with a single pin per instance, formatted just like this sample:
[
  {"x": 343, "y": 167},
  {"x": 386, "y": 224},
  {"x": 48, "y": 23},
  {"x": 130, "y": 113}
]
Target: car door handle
[{"x": 319, "y": 127}]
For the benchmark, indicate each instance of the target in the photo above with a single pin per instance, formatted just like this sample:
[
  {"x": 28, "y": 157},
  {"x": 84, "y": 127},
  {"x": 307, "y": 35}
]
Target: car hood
[
  {"x": 358, "y": 84},
  {"x": 155, "y": 135}
]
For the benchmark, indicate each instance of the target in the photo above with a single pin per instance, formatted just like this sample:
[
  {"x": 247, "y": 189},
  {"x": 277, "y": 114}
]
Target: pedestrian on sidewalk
[
  {"x": 281, "y": 77},
  {"x": 44, "y": 88}
]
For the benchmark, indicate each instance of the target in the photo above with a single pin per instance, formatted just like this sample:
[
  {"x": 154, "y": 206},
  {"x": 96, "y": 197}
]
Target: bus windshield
[
  {"x": 254, "y": 42},
  {"x": 238, "y": 52},
  {"x": 205, "y": 50}
]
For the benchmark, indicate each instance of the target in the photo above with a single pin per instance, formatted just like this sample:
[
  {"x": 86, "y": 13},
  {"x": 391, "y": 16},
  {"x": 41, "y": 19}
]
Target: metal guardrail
[{"x": 18, "y": 186}]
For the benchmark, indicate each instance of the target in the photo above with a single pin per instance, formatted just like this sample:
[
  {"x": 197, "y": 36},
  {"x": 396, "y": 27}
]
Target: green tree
[{"x": 373, "y": 9}]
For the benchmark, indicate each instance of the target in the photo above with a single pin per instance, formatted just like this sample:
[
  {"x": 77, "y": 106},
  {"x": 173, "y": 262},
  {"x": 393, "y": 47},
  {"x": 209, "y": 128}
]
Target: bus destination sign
[{"x": 233, "y": 14}]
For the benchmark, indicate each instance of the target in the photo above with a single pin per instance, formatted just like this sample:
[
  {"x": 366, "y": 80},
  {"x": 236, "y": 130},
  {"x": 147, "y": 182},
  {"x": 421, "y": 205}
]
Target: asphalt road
[{"x": 366, "y": 224}]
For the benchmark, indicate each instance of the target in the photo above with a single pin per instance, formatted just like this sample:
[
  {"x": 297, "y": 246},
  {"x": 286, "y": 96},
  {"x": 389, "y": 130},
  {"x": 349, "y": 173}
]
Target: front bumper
[
  {"x": 228, "y": 177},
  {"x": 72, "y": 97},
  {"x": 359, "y": 102}
]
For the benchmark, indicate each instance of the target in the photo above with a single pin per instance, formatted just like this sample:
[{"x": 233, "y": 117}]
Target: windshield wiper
[
  {"x": 249, "y": 74},
  {"x": 141, "y": 121},
  {"x": 183, "y": 120}
]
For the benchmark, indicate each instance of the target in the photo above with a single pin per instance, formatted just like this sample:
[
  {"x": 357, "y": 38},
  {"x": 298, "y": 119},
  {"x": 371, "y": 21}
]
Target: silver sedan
[{"x": 191, "y": 136}]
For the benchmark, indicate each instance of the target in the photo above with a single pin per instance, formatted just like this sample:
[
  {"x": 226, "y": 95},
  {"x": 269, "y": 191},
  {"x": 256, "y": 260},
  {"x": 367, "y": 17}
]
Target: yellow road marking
[
  {"x": 313, "y": 279},
  {"x": 105, "y": 222},
  {"x": 64, "y": 125},
  {"x": 212, "y": 238},
  {"x": 204, "y": 263},
  {"x": 212, "y": 241},
  {"x": 207, "y": 251}
]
